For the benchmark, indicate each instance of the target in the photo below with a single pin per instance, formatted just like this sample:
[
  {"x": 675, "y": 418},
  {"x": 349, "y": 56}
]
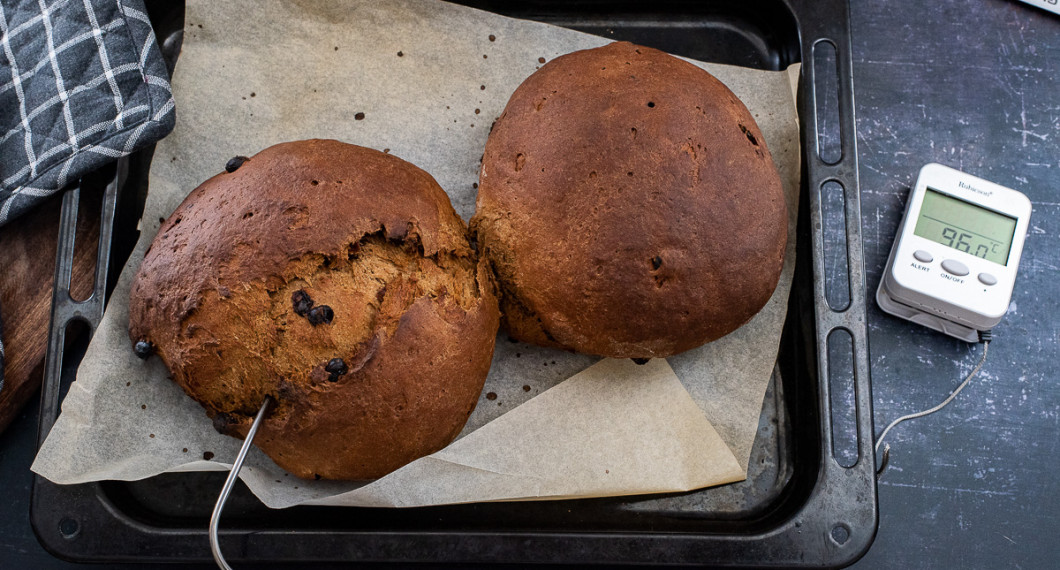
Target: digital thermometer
[{"x": 953, "y": 265}]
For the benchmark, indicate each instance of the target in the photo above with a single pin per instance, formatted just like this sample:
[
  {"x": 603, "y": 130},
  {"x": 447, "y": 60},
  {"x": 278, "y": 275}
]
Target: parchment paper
[{"x": 429, "y": 81}]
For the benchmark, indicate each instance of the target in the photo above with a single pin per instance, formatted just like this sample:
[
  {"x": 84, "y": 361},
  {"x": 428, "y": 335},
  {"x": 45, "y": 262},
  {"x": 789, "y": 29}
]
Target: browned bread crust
[
  {"x": 629, "y": 206},
  {"x": 313, "y": 251}
]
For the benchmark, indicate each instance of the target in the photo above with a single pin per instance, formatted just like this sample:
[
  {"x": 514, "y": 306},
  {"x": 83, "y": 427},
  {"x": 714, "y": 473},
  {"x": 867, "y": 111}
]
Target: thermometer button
[
  {"x": 987, "y": 279},
  {"x": 955, "y": 267},
  {"x": 922, "y": 256}
]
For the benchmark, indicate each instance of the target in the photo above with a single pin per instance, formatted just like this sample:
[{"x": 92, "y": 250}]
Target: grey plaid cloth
[{"x": 82, "y": 82}]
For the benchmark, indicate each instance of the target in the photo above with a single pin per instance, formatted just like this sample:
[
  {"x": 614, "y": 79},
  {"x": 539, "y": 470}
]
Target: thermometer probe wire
[{"x": 985, "y": 336}]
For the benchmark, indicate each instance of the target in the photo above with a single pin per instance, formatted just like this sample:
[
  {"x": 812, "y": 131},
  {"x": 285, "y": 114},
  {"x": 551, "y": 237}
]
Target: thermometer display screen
[{"x": 965, "y": 227}]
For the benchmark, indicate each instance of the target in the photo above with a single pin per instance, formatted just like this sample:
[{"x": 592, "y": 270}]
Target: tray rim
[{"x": 783, "y": 544}]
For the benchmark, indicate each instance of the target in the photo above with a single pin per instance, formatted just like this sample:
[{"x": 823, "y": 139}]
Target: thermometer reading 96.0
[
  {"x": 954, "y": 260},
  {"x": 965, "y": 226}
]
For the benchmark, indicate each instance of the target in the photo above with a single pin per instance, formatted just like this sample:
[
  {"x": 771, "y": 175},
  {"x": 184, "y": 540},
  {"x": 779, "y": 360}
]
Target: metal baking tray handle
[
  {"x": 65, "y": 310},
  {"x": 826, "y": 92}
]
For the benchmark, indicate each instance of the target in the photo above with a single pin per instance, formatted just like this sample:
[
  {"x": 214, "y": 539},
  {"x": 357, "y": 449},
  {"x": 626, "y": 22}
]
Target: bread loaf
[
  {"x": 629, "y": 206},
  {"x": 337, "y": 280}
]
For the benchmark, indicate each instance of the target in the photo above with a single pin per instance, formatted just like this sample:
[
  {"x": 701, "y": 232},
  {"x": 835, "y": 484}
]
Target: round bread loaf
[
  {"x": 629, "y": 206},
  {"x": 339, "y": 281}
]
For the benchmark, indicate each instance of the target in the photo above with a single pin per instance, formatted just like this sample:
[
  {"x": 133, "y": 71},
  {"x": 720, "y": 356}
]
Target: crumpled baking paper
[{"x": 423, "y": 80}]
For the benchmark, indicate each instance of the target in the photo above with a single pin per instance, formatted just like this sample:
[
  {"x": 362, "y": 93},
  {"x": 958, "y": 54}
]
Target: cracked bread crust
[
  {"x": 339, "y": 281},
  {"x": 628, "y": 206}
]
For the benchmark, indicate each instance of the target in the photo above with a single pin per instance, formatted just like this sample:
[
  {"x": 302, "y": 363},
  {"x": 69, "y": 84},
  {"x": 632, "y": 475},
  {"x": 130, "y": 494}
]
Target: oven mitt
[{"x": 81, "y": 83}]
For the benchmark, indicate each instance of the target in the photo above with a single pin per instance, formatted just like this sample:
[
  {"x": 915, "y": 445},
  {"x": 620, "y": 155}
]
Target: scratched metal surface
[{"x": 975, "y": 85}]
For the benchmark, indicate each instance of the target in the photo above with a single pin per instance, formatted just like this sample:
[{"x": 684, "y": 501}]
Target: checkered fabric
[{"x": 82, "y": 82}]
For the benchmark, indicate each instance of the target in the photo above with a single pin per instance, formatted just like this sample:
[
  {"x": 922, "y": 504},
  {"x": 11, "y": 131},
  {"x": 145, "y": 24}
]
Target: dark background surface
[{"x": 974, "y": 84}]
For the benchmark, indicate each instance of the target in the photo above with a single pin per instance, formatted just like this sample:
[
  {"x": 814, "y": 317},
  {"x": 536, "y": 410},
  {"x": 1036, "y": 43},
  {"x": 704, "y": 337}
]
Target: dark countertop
[{"x": 974, "y": 85}]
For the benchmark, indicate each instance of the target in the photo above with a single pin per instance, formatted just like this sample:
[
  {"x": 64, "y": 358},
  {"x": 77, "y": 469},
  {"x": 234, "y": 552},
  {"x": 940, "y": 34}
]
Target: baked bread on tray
[
  {"x": 629, "y": 206},
  {"x": 337, "y": 280}
]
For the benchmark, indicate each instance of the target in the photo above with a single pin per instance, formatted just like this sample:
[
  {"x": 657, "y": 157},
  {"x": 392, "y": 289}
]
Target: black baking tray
[{"x": 810, "y": 497}]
